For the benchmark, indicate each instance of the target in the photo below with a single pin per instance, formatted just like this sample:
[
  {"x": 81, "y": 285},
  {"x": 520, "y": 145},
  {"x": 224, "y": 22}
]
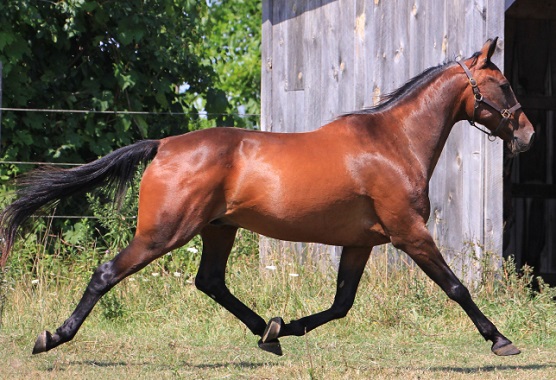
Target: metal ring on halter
[
  {"x": 506, "y": 114},
  {"x": 479, "y": 97}
]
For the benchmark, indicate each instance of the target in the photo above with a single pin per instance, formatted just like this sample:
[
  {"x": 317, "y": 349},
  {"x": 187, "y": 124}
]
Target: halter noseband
[{"x": 506, "y": 113}]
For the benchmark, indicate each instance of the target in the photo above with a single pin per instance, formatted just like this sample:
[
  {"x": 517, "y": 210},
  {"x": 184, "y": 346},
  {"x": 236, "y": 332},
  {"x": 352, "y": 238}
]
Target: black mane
[{"x": 416, "y": 82}]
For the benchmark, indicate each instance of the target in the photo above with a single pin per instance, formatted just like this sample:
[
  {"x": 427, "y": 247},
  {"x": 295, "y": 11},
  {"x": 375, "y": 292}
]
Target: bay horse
[{"x": 357, "y": 182}]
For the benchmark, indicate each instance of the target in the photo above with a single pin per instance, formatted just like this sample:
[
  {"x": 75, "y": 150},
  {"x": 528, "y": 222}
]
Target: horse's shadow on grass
[
  {"x": 491, "y": 368},
  {"x": 109, "y": 364},
  {"x": 90, "y": 363},
  {"x": 226, "y": 365},
  {"x": 246, "y": 365}
]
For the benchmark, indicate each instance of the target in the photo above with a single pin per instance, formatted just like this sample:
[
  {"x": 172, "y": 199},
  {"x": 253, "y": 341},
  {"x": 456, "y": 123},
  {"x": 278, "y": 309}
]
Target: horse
[{"x": 360, "y": 181}]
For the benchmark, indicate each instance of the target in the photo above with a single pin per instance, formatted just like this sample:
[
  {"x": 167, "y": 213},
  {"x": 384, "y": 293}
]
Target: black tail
[{"x": 44, "y": 187}]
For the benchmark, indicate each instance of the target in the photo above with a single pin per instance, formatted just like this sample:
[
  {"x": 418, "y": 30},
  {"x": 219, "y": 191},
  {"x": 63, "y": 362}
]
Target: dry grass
[{"x": 159, "y": 326}]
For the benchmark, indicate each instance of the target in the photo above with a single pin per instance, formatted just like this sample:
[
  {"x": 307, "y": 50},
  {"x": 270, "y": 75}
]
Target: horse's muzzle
[{"x": 517, "y": 146}]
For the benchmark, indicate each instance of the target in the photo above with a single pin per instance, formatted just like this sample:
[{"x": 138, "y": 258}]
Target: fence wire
[
  {"x": 125, "y": 112},
  {"x": 106, "y": 112}
]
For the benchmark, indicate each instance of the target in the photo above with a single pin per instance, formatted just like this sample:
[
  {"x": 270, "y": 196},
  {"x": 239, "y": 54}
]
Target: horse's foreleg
[
  {"x": 352, "y": 265},
  {"x": 420, "y": 246},
  {"x": 134, "y": 257},
  {"x": 210, "y": 279}
]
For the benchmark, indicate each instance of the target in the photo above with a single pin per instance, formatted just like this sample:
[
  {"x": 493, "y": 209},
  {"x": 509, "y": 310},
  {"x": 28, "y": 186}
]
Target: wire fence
[
  {"x": 125, "y": 112},
  {"x": 106, "y": 112}
]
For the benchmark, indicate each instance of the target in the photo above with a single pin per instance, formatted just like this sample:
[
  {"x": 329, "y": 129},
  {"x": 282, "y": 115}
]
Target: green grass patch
[{"x": 155, "y": 324}]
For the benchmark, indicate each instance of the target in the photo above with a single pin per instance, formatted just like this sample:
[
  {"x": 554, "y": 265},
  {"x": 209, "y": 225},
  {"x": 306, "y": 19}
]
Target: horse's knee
[
  {"x": 458, "y": 293},
  {"x": 211, "y": 286}
]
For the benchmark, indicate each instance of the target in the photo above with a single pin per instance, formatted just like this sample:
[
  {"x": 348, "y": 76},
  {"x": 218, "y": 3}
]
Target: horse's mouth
[{"x": 516, "y": 146}]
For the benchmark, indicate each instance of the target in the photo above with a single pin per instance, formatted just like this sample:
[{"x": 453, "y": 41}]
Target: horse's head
[{"x": 492, "y": 101}]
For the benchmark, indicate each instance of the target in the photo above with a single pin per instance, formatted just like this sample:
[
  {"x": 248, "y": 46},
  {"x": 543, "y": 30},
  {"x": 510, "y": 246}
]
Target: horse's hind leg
[
  {"x": 210, "y": 279},
  {"x": 352, "y": 265},
  {"x": 134, "y": 257}
]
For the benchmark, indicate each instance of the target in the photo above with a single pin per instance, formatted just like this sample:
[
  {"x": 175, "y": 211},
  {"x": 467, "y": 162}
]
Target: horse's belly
[{"x": 349, "y": 224}]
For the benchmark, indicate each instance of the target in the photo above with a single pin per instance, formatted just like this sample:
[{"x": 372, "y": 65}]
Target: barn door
[{"x": 530, "y": 190}]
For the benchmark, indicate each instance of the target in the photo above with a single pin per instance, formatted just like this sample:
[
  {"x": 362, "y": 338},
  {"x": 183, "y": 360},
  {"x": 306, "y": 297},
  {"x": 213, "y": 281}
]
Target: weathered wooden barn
[{"x": 322, "y": 58}]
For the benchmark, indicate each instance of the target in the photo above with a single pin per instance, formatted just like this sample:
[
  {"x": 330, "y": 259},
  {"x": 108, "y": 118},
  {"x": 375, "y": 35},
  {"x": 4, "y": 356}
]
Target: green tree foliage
[
  {"x": 121, "y": 55},
  {"x": 233, "y": 48}
]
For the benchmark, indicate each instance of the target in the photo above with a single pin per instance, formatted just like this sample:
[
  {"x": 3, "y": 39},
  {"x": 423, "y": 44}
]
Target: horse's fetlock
[
  {"x": 66, "y": 332},
  {"x": 341, "y": 310},
  {"x": 340, "y": 313}
]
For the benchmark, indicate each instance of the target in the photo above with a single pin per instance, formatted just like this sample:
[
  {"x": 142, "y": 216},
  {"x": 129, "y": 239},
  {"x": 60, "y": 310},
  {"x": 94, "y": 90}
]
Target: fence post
[
  {"x": 3, "y": 280},
  {"x": 0, "y": 106}
]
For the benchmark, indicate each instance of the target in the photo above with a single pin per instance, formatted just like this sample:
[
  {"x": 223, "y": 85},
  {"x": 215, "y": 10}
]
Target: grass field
[{"x": 156, "y": 325}]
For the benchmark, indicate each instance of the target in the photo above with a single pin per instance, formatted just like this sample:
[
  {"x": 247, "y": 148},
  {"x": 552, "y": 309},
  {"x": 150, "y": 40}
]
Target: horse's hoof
[
  {"x": 272, "y": 330},
  {"x": 272, "y": 346},
  {"x": 505, "y": 350},
  {"x": 42, "y": 343}
]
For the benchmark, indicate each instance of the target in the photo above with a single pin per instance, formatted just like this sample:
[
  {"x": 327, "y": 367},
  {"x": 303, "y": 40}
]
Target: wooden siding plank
[
  {"x": 312, "y": 51},
  {"x": 494, "y": 169},
  {"x": 374, "y": 43},
  {"x": 266, "y": 69},
  {"x": 294, "y": 47},
  {"x": 278, "y": 68},
  {"x": 330, "y": 70},
  {"x": 360, "y": 55},
  {"x": 345, "y": 59}
]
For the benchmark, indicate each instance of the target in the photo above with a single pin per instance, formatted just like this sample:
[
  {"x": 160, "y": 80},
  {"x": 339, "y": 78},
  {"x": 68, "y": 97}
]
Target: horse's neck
[{"x": 429, "y": 115}]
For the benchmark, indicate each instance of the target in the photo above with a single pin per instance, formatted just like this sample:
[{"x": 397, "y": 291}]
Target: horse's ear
[{"x": 487, "y": 51}]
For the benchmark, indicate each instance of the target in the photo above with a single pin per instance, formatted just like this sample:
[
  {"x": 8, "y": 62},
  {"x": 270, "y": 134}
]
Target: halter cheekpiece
[{"x": 506, "y": 113}]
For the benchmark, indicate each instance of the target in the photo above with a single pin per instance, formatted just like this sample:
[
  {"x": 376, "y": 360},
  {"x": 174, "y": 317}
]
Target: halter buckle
[
  {"x": 472, "y": 82},
  {"x": 478, "y": 97},
  {"x": 505, "y": 113}
]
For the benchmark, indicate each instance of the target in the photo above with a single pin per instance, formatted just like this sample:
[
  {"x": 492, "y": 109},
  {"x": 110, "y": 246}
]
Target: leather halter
[{"x": 506, "y": 113}]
